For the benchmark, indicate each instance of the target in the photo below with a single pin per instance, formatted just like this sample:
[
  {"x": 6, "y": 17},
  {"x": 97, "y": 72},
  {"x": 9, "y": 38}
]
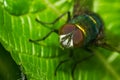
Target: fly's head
[{"x": 71, "y": 36}]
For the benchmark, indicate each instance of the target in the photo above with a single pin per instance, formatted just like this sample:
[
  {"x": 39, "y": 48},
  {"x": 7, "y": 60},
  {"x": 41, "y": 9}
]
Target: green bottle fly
[{"x": 80, "y": 30}]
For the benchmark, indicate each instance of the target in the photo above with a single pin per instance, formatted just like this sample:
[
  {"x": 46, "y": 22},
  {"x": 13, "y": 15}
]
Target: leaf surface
[{"x": 18, "y": 25}]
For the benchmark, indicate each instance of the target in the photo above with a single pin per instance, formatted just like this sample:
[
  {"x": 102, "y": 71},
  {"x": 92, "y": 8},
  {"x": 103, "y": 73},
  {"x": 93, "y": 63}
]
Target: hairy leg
[
  {"x": 64, "y": 61},
  {"x": 52, "y": 30},
  {"x": 79, "y": 61}
]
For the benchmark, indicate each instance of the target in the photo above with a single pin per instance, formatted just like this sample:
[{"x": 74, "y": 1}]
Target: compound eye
[
  {"x": 78, "y": 38},
  {"x": 67, "y": 28}
]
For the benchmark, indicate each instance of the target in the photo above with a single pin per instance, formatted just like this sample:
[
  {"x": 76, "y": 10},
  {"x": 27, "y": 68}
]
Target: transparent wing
[
  {"x": 81, "y": 6},
  {"x": 110, "y": 16}
]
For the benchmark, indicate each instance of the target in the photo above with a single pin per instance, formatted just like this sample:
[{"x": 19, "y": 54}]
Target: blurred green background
[
  {"x": 38, "y": 62},
  {"x": 9, "y": 70}
]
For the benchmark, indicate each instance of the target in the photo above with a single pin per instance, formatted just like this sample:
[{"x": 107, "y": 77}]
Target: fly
[{"x": 84, "y": 29}]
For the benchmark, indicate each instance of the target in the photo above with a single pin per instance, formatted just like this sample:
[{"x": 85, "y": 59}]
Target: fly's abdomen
[{"x": 90, "y": 25}]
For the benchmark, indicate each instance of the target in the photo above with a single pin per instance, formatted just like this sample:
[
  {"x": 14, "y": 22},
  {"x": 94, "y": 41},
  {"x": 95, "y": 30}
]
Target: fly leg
[
  {"x": 57, "y": 19},
  {"x": 61, "y": 62},
  {"x": 104, "y": 44},
  {"x": 41, "y": 39},
  {"x": 79, "y": 61},
  {"x": 64, "y": 61},
  {"x": 52, "y": 30}
]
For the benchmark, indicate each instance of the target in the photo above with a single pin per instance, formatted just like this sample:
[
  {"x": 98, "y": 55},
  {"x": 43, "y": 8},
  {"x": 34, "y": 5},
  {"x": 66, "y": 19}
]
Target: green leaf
[{"x": 18, "y": 25}]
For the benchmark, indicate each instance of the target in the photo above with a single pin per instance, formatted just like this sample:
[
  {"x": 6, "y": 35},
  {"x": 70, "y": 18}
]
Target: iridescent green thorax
[{"x": 89, "y": 24}]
